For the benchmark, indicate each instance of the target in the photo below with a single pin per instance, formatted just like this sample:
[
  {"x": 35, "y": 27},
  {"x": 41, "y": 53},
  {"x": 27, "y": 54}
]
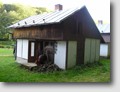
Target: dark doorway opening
[{"x": 45, "y": 52}]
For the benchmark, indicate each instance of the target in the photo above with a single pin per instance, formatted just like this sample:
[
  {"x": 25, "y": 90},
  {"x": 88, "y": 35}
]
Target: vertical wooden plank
[
  {"x": 72, "y": 52},
  {"x": 80, "y": 51},
  {"x": 108, "y": 49},
  {"x": 97, "y": 50},
  {"x": 87, "y": 51},
  {"x": 66, "y": 66},
  {"x": 92, "y": 59}
]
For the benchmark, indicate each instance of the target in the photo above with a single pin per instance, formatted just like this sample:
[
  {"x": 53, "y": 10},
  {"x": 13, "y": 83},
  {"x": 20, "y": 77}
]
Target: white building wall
[
  {"x": 22, "y": 50},
  {"x": 25, "y": 49},
  {"x": 104, "y": 50},
  {"x": 22, "y": 60},
  {"x": 60, "y": 55},
  {"x": 19, "y": 48}
]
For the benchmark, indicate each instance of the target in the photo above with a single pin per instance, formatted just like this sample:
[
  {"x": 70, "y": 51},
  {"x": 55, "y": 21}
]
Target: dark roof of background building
[
  {"x": 45, "y": 19},
  {"x": 106, "y": 37},
  {"x": 105, "y": 31}
]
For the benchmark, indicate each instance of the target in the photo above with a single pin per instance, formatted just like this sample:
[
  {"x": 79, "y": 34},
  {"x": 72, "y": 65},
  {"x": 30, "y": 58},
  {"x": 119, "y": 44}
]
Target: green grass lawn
[
  {"x": 6, "y": 52},
  {"x": 12, "y": 72}
]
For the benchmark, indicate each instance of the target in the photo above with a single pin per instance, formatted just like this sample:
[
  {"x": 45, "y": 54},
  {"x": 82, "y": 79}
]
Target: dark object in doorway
[{"x": 41, "y": 59}]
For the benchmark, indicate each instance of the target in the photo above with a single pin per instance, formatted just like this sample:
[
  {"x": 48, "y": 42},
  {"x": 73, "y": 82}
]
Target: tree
[
  {"x": 3, "y": 21},
  {"x": 40, "y": 10},
  {"x": 9, "y": 14}
]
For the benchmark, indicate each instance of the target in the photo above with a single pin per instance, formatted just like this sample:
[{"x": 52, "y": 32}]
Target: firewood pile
[{"x": 48, "y": 67}]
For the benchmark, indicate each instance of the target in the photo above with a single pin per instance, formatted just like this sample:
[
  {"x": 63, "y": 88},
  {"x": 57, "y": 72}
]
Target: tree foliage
[{"x": 11, "y": 13}]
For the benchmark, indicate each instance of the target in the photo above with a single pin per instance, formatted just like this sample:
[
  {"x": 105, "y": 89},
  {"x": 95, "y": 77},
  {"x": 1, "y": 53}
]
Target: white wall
[
  {"x": 60, "y": 55},
  {"x": 22, "y": 48},
  {"x": 104, "y": 50},
  {"x": 21, "y": 60},
  {"x": 19, "y": 48},
  {"x": 25, "y": 49}
]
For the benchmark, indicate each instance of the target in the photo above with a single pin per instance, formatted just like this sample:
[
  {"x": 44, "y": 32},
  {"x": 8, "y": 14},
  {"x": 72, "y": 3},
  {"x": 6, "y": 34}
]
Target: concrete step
[{"x": 29, "y": 65}]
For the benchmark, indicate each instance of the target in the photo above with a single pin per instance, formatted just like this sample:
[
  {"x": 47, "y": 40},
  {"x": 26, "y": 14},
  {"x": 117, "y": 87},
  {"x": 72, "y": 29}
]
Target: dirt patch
[{"x": 49, "y": 67}]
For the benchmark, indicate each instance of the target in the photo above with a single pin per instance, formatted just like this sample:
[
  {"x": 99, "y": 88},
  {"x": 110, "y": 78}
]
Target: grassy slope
[{"x": 12, "y": 72}]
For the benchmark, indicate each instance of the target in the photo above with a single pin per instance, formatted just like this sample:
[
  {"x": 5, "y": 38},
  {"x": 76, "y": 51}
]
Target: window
[{"x": 32, "y": 48}]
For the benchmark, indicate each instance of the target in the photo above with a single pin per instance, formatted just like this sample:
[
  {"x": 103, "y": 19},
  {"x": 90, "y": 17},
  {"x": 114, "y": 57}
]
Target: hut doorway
[
  {"x": 31, "y": 53},
  {"x": 45, "y": 52}
]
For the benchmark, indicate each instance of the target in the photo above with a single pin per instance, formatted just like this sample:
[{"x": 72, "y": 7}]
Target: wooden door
[{"x": 32, "y": 49}]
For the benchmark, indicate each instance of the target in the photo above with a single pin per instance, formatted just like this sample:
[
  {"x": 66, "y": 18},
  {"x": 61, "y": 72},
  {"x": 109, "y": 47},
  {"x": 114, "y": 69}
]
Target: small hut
[{"x": 72, "y": 33}]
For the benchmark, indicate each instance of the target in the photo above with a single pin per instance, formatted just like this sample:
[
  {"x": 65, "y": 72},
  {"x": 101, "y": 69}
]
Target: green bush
[{"x": 6, "y": 44}]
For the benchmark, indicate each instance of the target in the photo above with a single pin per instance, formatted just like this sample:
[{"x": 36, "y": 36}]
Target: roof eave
[{"x": 14, "y": 27}]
